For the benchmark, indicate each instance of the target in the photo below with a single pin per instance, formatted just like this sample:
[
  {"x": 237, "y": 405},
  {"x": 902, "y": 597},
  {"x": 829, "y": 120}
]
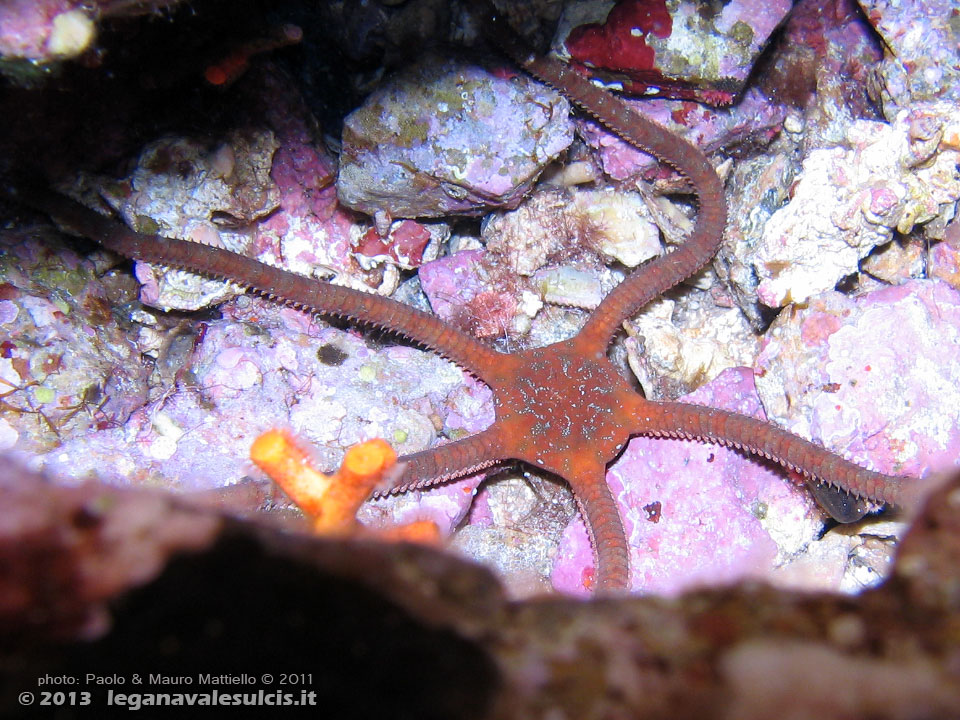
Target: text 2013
[{"x": 64, "y": 698}]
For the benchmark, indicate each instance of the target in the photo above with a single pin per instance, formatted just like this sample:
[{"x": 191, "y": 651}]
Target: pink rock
[
  {"x": 446, "y": 137},
  {"x": 654, "y": 48},
  {"x": 461, "y": 292},
  {"x": 945, "y": 263},
  {"x": 25, "y": 26},
  {"x": 445, "y": 505},
  {"x": 326, "y": 385},
  {"x": 921, "y": 36},
  {"x": 310, "y": 229},
  {"x": 405, "y": 244},
  {"x": 875, "y": 378},
  {"x": 753, "y": 119}
]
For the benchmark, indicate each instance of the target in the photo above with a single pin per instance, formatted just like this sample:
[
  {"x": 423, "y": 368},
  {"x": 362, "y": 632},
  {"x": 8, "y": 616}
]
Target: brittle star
[{"x": 563, "y": 408}]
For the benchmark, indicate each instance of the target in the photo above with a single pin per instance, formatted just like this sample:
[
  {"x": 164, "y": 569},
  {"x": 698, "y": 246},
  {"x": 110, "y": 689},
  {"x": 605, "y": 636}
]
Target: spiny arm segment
[
  {"x": 446, "y": 462},
  {"x": 607, "y": 537},
  {"x": 697, "y": 422},
  {"x": 648, "y": 281},
  {"x": 295, "y": 290}
]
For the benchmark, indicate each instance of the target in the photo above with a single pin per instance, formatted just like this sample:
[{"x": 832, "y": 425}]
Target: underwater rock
[
  {"x": 446, "y": 138},
  {"x": 677, "y": 48},
  {"x": 874, "y": 377},
  {"x": 852, "y": 198}
]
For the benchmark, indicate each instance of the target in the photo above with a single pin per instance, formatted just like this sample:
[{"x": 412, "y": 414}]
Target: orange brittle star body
[{"x": 563, "y": 408}]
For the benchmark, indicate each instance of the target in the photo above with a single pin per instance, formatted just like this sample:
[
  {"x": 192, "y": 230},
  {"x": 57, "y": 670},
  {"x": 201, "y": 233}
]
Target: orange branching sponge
[{"x": 332, "y": 501}]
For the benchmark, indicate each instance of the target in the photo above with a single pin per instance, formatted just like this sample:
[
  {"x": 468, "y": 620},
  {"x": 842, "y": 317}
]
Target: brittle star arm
[
  {"x": 296, "y": 290},
  {"x": 648, "y": 281},
  {"x": 597, "y": 505},
  {"x": 602, "y": 518},
  {"x": 698, "y": 422},
  {"x": 445, "y": 462}
]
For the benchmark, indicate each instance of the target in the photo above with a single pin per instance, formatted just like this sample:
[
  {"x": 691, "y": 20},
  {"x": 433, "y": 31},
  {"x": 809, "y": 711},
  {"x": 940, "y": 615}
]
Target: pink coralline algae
[
  {"x": 268, "y": 193},
  {"x": 67, "y": 365},
  {"x": 884, "y": 178},
  {"x": 324, "y": 384},
  {"x": 671, "y": 48},
  {"x": 405, "y": 244},
  {"x": 43, "y": 30},
  {"x": 695, "y": 513},
  {"x": 445, "y": 137},
  {"x": 310, "y": 233},
  {"x": 921, "y": 61},
  {"x": 754, "y": 118},
  {"x": 619, "y": 43},
  {"x": 462, "y": 291},
  {"x": 179, "y": 188},
  {"x": 875, "y": 378}
]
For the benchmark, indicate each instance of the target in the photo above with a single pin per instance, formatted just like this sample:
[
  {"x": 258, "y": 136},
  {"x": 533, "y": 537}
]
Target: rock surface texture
[{"x": 460, "y": 186}]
